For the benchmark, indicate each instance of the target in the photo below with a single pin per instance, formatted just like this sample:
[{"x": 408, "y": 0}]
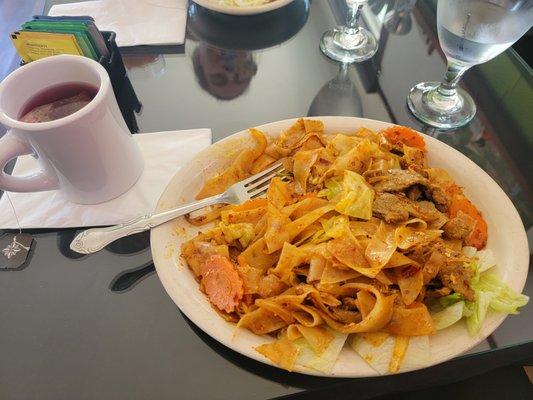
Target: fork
[{"x": 95, "y": 239}]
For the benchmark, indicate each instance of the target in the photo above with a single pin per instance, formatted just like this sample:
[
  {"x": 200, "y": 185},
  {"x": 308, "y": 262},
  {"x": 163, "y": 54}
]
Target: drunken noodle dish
[{"x": 358, "y": 240}]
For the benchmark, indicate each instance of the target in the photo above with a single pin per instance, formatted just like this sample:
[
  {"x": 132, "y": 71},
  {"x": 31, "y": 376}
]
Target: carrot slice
[
  {"x": 222, "y": 283},
  {"x": 478, "y": 237},
  {"x": 403, "y": 135}
]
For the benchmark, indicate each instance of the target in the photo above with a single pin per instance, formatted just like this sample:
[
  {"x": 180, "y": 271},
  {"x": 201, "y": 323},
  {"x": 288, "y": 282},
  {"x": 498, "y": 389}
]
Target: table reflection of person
[{"x": 225, "y": 74}]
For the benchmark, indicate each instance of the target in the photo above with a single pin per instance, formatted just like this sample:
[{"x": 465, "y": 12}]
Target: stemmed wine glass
[
  {"x": 352, "y": 42},
  {"x": 470, "y": 32}
]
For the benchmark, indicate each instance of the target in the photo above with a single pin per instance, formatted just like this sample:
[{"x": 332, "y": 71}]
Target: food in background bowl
[{"x": 244, "y": 3}]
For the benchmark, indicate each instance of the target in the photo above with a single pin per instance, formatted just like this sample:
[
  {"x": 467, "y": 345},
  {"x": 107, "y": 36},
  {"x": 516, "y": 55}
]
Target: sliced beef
[
  {"x": 457, "y": 276},
  {"x": 459, "y": 227},
  {"x": 441, "y": 292},
  {"x": 414, "y": 192},
  {"x": 426, "y": 210},
  {"x": 437, "y": 194},
  {"x": 396, "y": 208},
  {"x": 396, "y": 180},
  {"x": 391, "y": 208}
]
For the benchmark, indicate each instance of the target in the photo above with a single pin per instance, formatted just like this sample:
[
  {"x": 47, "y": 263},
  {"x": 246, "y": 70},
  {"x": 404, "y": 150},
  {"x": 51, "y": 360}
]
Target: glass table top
[{"x": 102, "y": 326}]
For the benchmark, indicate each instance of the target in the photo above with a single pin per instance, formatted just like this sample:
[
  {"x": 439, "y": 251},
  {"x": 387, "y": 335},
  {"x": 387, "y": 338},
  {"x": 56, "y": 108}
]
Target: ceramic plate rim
[{"x": 158, "y": 244}]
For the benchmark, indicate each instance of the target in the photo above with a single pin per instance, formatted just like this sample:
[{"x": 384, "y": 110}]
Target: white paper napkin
[
  {"x": 164, "y": 154},
  {"x": 136, "y": 22}
]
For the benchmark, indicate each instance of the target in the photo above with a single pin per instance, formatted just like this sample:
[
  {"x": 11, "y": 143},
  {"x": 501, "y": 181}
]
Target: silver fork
[{"x": 95, "y": 239}]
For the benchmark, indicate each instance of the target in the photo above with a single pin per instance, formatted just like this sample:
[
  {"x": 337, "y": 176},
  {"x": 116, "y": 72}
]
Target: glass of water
[
  {"x": 471, "y": 32},
  {"x": 352, "y": 42}
]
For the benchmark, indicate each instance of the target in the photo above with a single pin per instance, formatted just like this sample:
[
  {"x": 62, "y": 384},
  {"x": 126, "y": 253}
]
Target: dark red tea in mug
[{"x": 57, "y": 101}]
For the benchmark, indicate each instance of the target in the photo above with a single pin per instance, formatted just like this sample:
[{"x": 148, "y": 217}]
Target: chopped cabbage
[
  {"x": 353, "y": 196},
  {"x": 379, "y": 353},
  {"x": 333, "y": 188},
  {"x": 244, "y": 232},
  {"x": 336, "y": 226},
  {"x": 418, "y": 353},
  {"x": 324, "y": 363}
]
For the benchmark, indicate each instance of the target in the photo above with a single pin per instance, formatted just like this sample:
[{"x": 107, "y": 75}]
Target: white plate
[
  {"x": 232, "y": 10},
  {"x": 507, "y": 239}
]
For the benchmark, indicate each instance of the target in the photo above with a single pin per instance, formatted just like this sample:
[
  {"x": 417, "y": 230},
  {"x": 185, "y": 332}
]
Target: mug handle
[{"x": 11, "y": 147}]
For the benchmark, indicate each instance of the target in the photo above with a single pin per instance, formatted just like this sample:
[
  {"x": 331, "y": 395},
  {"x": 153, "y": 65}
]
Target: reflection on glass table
[
  {"x": 144, "y": 65},
  {"x": 339, "y": 96},
  {"x": 246, "y": 33},
  {"x": 225, "y": 74},
  {"x": 471, "y": 32},
  {"x": 398, "y": 21}
]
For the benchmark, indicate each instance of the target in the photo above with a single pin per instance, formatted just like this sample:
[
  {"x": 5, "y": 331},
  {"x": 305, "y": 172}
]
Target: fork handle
[{"x": 95, "y": 239}]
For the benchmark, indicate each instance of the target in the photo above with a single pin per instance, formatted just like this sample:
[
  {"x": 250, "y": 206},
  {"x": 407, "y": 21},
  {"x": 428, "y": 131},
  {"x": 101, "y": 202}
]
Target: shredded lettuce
[
  {"x": 476, "y": 311},
  {"x": 325, "y": 362},
  {"x": 353, "y": 196},
  {"x": 503, "y": 298},
  {"x": 485, "y": 260},
  {"x": 469, "y": 251},
  {"x": 482, "y": 260},
  {"x": 448, "y": 316},
  {"x": 489, "y": 293},
  {"x": 447, "y": 301}
]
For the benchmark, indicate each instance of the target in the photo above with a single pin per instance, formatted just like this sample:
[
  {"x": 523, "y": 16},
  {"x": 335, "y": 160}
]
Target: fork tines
[{"x": 257, "y": 184}]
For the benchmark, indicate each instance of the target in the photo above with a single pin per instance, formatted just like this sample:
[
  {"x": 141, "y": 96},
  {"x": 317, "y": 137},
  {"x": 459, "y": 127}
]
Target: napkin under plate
[{"x": 164, "y": 154}]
